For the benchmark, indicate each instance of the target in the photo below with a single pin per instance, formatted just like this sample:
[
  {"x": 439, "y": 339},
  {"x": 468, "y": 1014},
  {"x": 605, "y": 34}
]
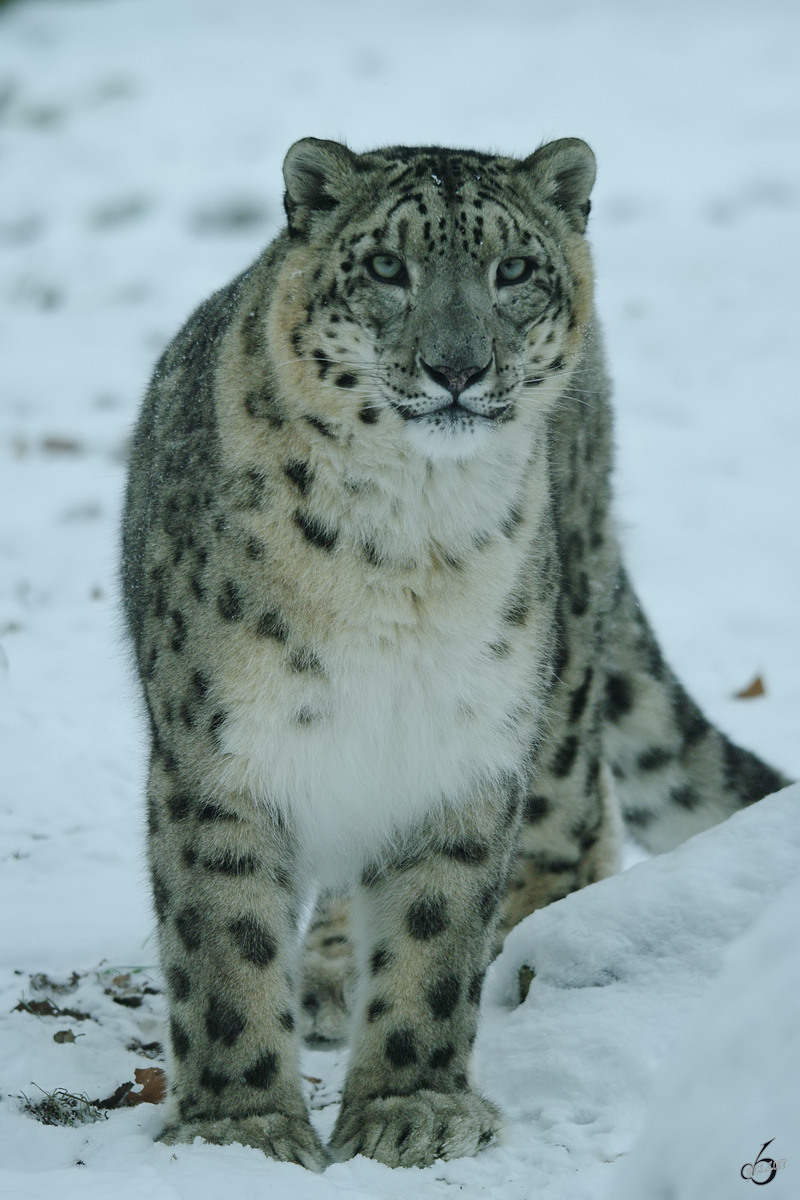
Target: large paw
[
  {"x": 413, "y": 1131},
  {"x": 287, "y": 1138}
]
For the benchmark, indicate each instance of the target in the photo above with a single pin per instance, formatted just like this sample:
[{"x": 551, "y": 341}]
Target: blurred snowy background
[{"x": 140, "y": 151}]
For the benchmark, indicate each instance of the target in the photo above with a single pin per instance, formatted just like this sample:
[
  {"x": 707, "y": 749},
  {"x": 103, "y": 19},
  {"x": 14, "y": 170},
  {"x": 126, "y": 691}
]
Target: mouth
[{"x": 453, "y": 415}]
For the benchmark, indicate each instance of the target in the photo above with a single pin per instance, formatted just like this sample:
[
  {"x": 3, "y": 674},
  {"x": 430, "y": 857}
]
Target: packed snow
[{"x": 658, "y": 1048}]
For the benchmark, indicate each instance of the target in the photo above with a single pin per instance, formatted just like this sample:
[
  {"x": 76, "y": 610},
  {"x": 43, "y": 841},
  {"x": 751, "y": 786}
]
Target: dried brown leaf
[
  {"x": 153, "y": 1083},
  {"x": 756, "y": 688}
]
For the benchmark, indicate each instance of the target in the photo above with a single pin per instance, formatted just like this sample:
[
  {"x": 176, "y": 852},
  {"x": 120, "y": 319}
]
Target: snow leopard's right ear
[{"x": 317, "y": 174}]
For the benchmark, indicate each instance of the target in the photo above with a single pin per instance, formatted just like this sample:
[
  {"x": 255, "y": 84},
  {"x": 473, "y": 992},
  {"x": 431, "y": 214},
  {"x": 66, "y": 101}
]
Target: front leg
[
  {"x": 429, "y": 914},
  {"x": 225, "y": 895}
]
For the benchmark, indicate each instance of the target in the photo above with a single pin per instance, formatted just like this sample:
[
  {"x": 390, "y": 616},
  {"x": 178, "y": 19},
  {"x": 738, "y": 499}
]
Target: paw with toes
[
  {"x": 281, "y": 1136},
  {"x": 415, "y": 1130}
]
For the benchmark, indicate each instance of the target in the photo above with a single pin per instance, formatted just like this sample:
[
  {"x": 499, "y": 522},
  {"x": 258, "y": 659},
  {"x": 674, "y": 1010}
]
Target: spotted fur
[{"x": 386, "y": 641}]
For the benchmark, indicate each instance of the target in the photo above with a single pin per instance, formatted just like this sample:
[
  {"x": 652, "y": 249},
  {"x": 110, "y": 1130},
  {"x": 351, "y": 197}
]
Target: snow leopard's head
[{"x": 447, "y": 291}]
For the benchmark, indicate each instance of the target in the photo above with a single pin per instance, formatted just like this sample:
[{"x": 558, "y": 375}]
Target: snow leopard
[{"x": 389, "y": 653}]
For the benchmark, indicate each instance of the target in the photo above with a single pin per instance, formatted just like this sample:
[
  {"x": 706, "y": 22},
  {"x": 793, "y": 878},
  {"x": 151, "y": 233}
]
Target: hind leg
[{"x": 328, "y": 973}]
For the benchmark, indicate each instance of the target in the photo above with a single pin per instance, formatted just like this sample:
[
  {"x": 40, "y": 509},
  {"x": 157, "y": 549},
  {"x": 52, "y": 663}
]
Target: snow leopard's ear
[
  {"x": 316, "y": 174},
  {"x": 563, "y": 172}
]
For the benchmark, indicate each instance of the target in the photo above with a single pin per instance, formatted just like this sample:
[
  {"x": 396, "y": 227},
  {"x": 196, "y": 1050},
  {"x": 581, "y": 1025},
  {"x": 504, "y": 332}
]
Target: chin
[{"x": 442, "y": 440}]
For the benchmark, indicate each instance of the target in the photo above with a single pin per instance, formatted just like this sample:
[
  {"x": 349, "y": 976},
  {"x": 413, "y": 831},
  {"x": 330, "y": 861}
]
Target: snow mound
[
  {"x": 732, "y": 1085},
  {"x": 619, "y": 970}
]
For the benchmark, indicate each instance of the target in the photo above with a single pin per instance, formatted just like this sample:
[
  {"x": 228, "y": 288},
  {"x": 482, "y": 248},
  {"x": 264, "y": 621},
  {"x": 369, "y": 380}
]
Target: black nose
[{"x": 456, "y": 380}]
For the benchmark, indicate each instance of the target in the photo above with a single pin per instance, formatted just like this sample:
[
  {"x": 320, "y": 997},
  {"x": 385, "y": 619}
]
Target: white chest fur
[{"x": 389, "y": 731}]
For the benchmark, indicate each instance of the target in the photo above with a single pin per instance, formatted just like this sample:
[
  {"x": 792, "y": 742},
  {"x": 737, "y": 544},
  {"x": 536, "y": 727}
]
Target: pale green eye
[
  {"x": 388, "y": 268},
  {"x": 514, "y": 270}
]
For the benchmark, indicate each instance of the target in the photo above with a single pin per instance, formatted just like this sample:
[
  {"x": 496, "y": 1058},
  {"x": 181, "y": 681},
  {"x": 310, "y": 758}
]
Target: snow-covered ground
[{"x": 140, "y": 152}]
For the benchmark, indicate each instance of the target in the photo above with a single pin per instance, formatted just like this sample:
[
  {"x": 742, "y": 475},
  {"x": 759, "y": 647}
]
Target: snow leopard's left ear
[
  {"x": 316, "y": 174},
  {"x": 563, "y": 172}
]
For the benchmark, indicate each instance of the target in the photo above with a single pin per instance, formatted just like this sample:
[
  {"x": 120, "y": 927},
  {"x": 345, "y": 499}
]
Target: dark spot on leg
[
  {"x": 382, "y": 957},
  {"x": 179, "y": 983},
  {"x": 460, "y": 1083},
  {"x": 228, "y": 862},
  {"x": 189, "y": 924},
  {"x": 200, "y": 685},
  {"x": 180, "y": 1040},
  {"x": 224, "y": 1022},
  {"x": 189, "y": 856},
  {"x": 442, "y": 996},
  {"x": 179, "y": 805},
  {"x": 215, "y": 1081},
  {"x": 254, "y": 941},
  {"x": 376, "y": 1009},
  {"x": 188, "y": 1106},
  {"x": 214, "y": 812},
  {"x": 442, "y": 1057},
  {"x": 263, "y": 1071},
  {"x": 476, "y": 987},
  {"x": 286, "y": 1019},
  {"x": 428, "y": 917},
  {"x": 400, "y": 1048}
]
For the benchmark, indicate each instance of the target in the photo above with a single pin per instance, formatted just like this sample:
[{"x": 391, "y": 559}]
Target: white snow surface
[{"x": 140, "y": 152}]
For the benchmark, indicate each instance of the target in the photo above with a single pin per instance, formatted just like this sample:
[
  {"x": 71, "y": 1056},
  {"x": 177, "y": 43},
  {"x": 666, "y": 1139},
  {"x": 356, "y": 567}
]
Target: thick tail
[{"x": 675, "y": 773}]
